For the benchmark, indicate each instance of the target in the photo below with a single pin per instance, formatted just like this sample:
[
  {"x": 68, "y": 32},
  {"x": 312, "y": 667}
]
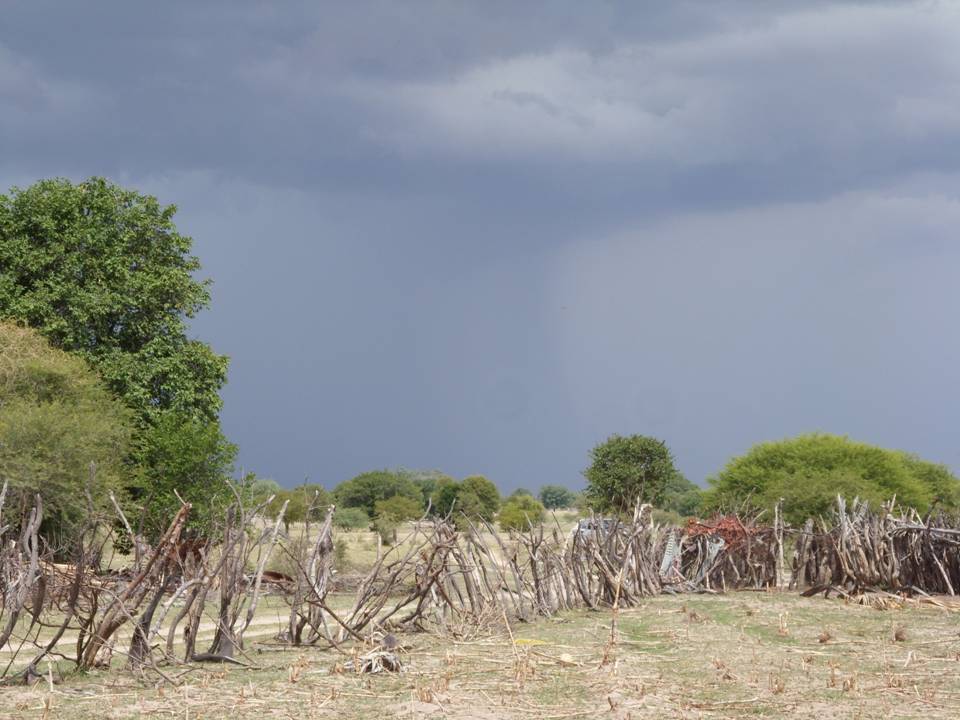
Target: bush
[
  {"x": 666, "y": 517},
  {"x": 519, "y": 512},
  {"x": 681, "y": 496},
  {"x": 56, "y": 421},
  {"x": 627, "y": 469},
  {"x": 556, "y": 496},
  {"x": 386, "y": 527},
  {"x": 470, "y": 509},
  {"x": 351, "y": 519},
  {"x": 809, "y": 471},
  {"x": 307, "y": 502}
]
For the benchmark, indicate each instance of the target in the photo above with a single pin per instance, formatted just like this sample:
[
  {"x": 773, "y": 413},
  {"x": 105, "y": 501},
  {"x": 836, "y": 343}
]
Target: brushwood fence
[{"x": 439, "y": 577}]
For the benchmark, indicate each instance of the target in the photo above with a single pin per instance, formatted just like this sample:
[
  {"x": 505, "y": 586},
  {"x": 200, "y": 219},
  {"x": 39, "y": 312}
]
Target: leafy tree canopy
[
  {"x": 486, "y": 493},
  {"x": 809, "y": 472},
  {"x": 56, "y": 420},
  {"x": 426, "y": 480},
  {"x": 366, "y": 489},
  {"x": 556, "y": 496},
  {"x": 519, "y": 512},
  {"x": 103, "y": 272},
  {"x": 185, "y": 455},
  {"x": 445, "y": 496},
  {"x": 398, "y": 509},
  {"x": 473, "y": 498},
  {"x": 625, "y": 469}
]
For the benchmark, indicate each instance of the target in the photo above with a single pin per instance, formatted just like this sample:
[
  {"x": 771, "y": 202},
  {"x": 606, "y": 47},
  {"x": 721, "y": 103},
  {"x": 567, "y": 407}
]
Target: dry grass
[{"x": 683, "y": 657}]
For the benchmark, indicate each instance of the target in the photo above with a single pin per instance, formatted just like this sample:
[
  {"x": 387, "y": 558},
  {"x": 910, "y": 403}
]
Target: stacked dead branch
[
  {"x": 724, "y": 553},
  {"x": 456, "y": 580},
  {"x": 440, "y": 577},
  {"x": 43, "y": 600},
  {"x": 858, "y": 550}
]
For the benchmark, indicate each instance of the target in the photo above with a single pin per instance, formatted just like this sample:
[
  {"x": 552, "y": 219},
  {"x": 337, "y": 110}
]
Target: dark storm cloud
[{"x": 482, "y": 236}]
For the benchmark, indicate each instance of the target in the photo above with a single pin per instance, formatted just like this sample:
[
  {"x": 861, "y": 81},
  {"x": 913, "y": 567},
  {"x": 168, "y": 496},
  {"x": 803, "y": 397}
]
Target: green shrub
[
  {"x": 391, "y": 513},
  {"x": 256, "y": 490},
  {"x": 519, "y": 512},
  {"x": 56, "y": 419},
  {"x": 351, "y": 519},
  {"x": 666, "y": 517},
  {"x": 386, "y": 527}
]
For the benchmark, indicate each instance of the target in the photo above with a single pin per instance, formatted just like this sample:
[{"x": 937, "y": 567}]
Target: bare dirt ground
[{"x": 757, "y": 654}]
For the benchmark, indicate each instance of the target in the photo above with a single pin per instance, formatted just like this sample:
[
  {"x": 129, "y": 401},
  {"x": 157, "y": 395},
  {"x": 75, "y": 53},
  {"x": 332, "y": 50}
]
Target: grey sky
[{"x": 481, "y": 237}]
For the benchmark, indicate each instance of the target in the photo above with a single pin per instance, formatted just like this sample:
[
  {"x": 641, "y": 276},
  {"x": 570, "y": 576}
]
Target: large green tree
[
  {"x": 486, "y": 493},
  {"x": 101, "y": 271},
  {"x": 809, "y": 471},
  {"x": 556, "y": 496},
  {"x": 470, "y": 500},
  {"x": 366, "y": 489},
  {"x": 624, "y": 470},
  {"x": 62, "y": 434}
]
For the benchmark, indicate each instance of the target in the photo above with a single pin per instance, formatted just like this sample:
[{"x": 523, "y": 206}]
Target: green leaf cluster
[{"x": 809, "y": 471}]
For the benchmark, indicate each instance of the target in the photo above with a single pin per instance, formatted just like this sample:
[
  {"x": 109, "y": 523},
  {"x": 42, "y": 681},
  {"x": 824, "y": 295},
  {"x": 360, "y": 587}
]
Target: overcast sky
[{"x": 482, "y": 237}]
